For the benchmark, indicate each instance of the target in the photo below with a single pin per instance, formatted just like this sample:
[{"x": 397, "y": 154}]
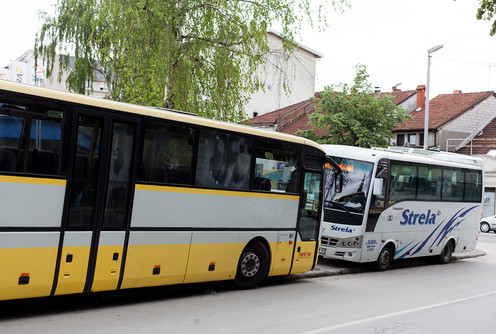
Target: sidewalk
[{"x": 327, "y": 267}]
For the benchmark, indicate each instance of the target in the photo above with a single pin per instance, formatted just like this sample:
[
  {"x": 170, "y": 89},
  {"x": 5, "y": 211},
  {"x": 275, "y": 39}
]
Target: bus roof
[
  {"x": 405, "y": 154},
  {"x": 148, "y": 111}
]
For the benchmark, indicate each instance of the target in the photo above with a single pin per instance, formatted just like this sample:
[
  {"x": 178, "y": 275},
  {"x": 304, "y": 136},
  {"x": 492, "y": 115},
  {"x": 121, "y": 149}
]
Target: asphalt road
[{"x": 411, "y": 297}]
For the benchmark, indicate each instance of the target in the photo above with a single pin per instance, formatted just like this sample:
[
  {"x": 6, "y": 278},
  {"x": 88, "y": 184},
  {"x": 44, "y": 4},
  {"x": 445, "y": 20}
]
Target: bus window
[
  {"x": 10, "y": 136},
  {"x": 276, "y": 167},
  {"x": 85, "y": 173},
  {"x": 473, "y": 186},
  {"x": 403, "y": 183},
  {"x": 167, "y": 153},
  {"x": 30, "y": 140},
  {"x": 453, "y": 180},
  {"x": 356, "y": 180},
  {"x": 309, "y": 217},
  {"x": 224, "y": 160},
  {"x": 429, "y": 183}
]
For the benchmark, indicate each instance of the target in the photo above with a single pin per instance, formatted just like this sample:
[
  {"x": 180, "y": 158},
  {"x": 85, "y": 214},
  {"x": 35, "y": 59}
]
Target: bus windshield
[{"x": 356, "y": 181}]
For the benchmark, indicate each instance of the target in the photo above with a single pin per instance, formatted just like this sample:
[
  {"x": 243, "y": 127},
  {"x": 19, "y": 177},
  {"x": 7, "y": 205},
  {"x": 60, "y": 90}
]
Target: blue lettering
[
  {"x": 341, "y": 229},
  {"x": 411, "y": 218},
  {"x": 405, "y": 217}
]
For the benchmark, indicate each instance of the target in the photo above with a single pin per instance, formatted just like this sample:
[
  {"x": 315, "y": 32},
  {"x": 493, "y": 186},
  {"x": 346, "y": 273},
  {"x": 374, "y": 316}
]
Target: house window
[
  {"x": 400, "y": 139},
  {"x": 412, "y": 139}
]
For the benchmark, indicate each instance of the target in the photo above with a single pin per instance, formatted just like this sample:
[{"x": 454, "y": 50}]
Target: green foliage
[
  {"x": 486, "y": 12},
  {"x": 192, "y": 55},
  {"x": 353, "y": 116}
]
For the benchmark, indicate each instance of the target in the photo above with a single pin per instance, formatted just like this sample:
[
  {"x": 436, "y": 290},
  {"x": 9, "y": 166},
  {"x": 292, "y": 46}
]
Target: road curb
[{"x": 322, "y": 271}]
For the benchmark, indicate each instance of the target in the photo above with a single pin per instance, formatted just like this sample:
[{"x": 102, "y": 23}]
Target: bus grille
[{"x": 329, "y": 241}]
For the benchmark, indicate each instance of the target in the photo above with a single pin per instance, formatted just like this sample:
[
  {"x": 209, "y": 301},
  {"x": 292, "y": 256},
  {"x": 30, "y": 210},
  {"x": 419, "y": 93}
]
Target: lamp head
[{"x": 435, "y": 48}]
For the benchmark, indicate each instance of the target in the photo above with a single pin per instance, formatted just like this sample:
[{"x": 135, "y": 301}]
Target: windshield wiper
[{"x": 342, "y": 206}]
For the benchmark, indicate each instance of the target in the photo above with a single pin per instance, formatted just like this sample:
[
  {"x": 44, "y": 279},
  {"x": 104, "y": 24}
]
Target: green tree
[
  {"x": 353, "y": 115},
  {"x": 192, "y": 55},
  {"x": 486, "y": 12}
]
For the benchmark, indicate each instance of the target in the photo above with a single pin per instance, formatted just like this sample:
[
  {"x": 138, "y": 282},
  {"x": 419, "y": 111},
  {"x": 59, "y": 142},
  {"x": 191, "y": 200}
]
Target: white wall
[{"x": 298, "y": 71}]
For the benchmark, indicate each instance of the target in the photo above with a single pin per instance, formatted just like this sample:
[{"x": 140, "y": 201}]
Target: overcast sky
[{"x": 390, "y": 37}]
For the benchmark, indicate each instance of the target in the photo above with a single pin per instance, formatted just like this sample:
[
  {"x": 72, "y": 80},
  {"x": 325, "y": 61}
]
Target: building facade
[{"x": 296, "y": 72}]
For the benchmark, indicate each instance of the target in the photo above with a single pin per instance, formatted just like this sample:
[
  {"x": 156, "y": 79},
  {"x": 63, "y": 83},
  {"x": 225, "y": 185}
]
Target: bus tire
[
  {"x": 385, "y": 258},
  {"x": 446, "y": 254},
  {"x": 253, "y": 266}
]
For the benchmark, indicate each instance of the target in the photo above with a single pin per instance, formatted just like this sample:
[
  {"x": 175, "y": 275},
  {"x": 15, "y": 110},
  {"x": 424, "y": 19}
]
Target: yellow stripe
[
  {"x": 31, "y": 180},
  {"x": 214, "y": 192}
]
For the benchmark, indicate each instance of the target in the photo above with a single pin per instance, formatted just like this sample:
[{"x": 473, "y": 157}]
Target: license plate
[{"x": 322, "y": 251}]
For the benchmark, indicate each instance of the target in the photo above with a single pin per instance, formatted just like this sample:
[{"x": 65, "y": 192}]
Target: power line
[{"x": 479, "y": 63}]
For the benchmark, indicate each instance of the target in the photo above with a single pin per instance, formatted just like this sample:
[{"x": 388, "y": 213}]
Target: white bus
[{"x": 400, "y": 203}]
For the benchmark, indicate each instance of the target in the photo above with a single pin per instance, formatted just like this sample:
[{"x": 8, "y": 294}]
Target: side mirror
[{"x": 378, "y": 183}]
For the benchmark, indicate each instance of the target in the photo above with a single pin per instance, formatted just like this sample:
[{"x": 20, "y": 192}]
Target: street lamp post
[{"x": 426, "y": 121}]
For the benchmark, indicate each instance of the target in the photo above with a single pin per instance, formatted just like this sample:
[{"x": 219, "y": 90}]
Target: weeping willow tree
[{"x": 192, "y": 55}]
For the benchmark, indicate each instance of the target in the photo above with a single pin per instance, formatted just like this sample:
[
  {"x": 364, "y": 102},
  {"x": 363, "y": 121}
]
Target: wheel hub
[{"x": 250, "y": 264}]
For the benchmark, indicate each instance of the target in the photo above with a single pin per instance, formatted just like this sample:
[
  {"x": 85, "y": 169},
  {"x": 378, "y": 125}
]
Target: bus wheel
[
  {"x": 253, "y": 266},
  {"x": 446, "y": 254},
  {"x": 385, "y": 258}
]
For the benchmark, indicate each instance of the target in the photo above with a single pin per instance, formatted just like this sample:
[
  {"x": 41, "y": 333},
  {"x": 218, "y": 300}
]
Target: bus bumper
[{"x": 341, "y": 253}]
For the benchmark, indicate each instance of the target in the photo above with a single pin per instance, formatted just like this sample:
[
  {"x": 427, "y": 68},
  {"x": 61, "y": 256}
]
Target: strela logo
[
  {"x": 412, "y": 218},
  {"x": 341, "y": 229}
]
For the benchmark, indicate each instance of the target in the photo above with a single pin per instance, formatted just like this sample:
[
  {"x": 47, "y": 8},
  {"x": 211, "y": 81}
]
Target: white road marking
[{"x": 384, "y": 316}]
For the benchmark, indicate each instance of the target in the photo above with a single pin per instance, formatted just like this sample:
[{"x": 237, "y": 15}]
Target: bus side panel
[
  {"x": 36, "y": 203},
  {"x": 27, "y": 264},
  {"x": 156, "y": 258},
  {"x": 74, "y": 263},
  {"x": 421, "y": 229},
  {"x": 108, "y": 263},
  {"x": 282, "y": 253},
  {"x": 304, "y": 256},
  {"x": 214, "y": 256},
  {"x": 31, "y": 202},
  {"x": 160, "y": 206},
  {"x": 218, "y": 211}
]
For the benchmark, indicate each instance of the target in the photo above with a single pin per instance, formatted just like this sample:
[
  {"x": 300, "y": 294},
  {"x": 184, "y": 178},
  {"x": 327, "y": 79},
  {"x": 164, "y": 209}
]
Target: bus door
[
  {"x": 98, "y": 203},
  {"x": 309, "y": 223}
]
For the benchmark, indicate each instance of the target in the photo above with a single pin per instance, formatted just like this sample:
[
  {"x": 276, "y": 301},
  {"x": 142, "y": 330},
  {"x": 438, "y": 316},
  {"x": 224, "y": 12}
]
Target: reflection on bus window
[
  {"x": 403, "y": 184},
  {"x": 357, "y": 176},
  {"x": 167, "y": 153},
  {"x": 430, "y": 180},
  {"x": 309, "y": 216},
  {"x": 453, "y": 184},
  {"x": 276, "y": 167},
  {"x": 473, "y": 186},
  {"x": 30, "y": 139},
  {"x": 223, "y": 160}
]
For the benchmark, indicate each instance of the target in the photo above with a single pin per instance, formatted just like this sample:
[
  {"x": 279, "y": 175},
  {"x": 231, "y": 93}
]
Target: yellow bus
[{"x": 98, "y": 195}]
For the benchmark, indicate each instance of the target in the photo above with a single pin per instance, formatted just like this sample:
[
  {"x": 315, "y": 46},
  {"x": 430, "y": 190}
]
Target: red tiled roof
[
  {"x": 483, "y": 143},
  {"x": 444, "y": 108},
  {"x": 400, "y": 96},
  {"x": 292, "y": 118},
  {"x": 275, "y": 117}
]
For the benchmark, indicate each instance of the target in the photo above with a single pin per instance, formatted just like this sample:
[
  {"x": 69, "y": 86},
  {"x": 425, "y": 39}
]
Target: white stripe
[{"x": 389, "y": 315}]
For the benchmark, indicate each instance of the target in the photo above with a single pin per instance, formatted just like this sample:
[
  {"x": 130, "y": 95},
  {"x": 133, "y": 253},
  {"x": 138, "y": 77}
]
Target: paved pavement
[{"x": 327, "y": 267}]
